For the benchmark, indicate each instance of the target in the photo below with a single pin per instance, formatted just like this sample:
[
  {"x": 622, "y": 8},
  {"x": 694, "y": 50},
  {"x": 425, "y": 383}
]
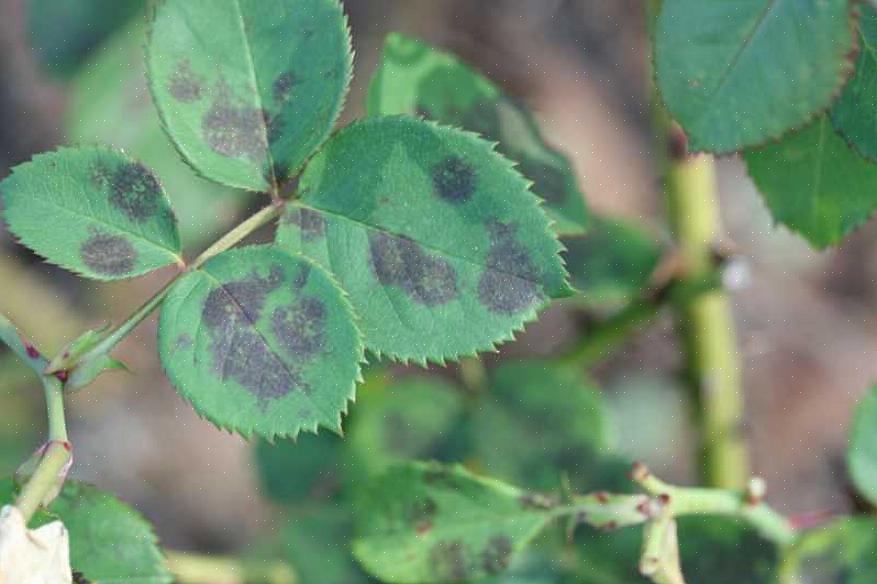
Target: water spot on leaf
[
  {"x": 508, "y": 284},
  {"x": 239, "y": 352},
  {"x": 454, "y": 180},
  {"x": 234, "y": 129},
  {"x": 497, "y": 554},
  {"x": 184, "y": 84},
  {"x": 301, "y": 329},
  {"x": 108, "y": 255},
  {"x": 133, "y": 189},
  {"x": 311, "y": 224},
  {"x": 401, "y": 262},
  {"x": 448, "y": 559},
  {"x": 283, "y": 86}
]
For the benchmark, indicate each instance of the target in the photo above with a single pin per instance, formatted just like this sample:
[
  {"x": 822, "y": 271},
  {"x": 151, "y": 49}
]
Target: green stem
[
  {"x": 197, "y": 569},
  {"x": 238, "y": 234},
  {"x": 48, "y": 475},
  {"x": 705, "y": 323}
]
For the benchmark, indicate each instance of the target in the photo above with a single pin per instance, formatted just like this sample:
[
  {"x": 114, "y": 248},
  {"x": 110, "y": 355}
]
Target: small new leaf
[
  {"x": 441, "y": 247},
  {"x": 426, "y": 523},
  {"x": 248, "y": 89},
  {"x": 815, "y": 184},
  {"x": 737, "y": 74},
  {"x": 93, "y": 211},
  {"x": 417, "y": 79},
  {"x": 260, "y": 341}
]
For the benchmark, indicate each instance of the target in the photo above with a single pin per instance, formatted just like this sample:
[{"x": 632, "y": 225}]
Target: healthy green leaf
[
  {"x": 110, "y": 542},
  {"x": 423, "y": 523},
  {"x": 737, "y": 74},
  {"x": 612, "y": 263},
  {"x": 815, "y": 184},
  {"x": 93, "y": 211},
  {"x": 97, "y": 104},
  {"x": 862, "y": 451},
  {"x": 302, "y": 470},
  {"x": 261, "y": 341},
  {"x": 538, "y": 422},
  {"x": 417, "y": 79},
  {"x": 435, "y": 237},
  {"x": 855, "y": 113},
  {"x": 840, "y": 552},
  {"x": 25, "y": 350},
  {"x": 413, "y": 419},
  {"x": 248, "y": 89}
]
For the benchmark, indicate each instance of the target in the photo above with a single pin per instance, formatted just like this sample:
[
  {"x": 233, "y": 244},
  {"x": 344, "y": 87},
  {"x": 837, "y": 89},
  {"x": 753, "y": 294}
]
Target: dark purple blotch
[
  {"x": 401, "y": 262},
  {"x": 184, "y": 84},
  {"x": 510, "y": 281},
  {"x": 454, "y": 180},
  {"x": 108, "y": 255},
  {"x": 233, "y": 128},
  {"x": 301, "y": 328}
]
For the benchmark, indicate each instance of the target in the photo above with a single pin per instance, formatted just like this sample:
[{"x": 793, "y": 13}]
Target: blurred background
[{"x": 71, "y": 71}]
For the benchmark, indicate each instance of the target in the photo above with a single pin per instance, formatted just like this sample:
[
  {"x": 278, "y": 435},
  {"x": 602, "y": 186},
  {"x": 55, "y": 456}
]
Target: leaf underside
[
  {"x": 441, "y": 247},
  {"x": 815, "y": 184},
  {"x": 417, "y": 79},
  {"x": 110, "y": 542},
  {"x": 855, "y": 113},
  {"x": 425, "y": 523},
  {"x": 261, "y": 342},
  {"x": 738, "y": 73},
  {"x": 248, "y": 89},
  {"x": 93, "y": 211}
]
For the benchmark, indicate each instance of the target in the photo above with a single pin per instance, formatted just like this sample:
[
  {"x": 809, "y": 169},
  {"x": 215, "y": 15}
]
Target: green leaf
[
  {"x": 538, "y": 422},
  {"x": 25, "y": 350},
  {"x": 737, "y": 74},
  {"x": 840, "y": 552},
  {"x": 612, "y": 263},
  {"x": 721, "y": 550},
  {"x": 248, "y": 89},
  {"x": 862, "y": 451},
  {"x": 815, "y": 184},
  {"x": 423, "y": 523},
  {"x": 261, "y": 341},
  {"x": 441, "y": 247},
  {"x": 93, "y": 211},
  {"x": 417, "y": 79},
  {"x": 415, "y": 418},
  {"x": 302, "y": 470},
  {"x": 110, "y": 542},
  {"x": 111, "y": 87},
  {"x": 855, "y": 113}
]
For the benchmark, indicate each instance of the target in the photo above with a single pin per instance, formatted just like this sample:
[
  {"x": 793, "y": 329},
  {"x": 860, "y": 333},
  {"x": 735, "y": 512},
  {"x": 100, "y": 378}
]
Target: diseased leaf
[
  {"x": 248, "y": 89},
  {"x": 538, "y": 422},
  {"x": 110, "y": 542},
  {"x": 260, "y": 341},
  {"x": 423, "y": 523},
  {"x": 413, "y": 419},
  {"x": 738, "y": 73},
  {"x": 612, "y": 263},
  {"x": 815, "y": 184},
  {"x": 97, "y": 104},
  {"x": 855, "y": 113},
  {"x": 417, "y": 79},
  {"x": 93, "y": 211},
  {"x": 862, "y": 451},
  {"x": 441, "y": 247},
  {"x": 841, "y": 552}
]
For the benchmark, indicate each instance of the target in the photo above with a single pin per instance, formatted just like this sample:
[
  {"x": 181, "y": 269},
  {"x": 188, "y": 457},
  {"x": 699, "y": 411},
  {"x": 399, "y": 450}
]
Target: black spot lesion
[
  {"x": 184, "y": 84},
  {"x": 283, "y": 86},
  {"x": 301, "y": 328},
  {"x": 510, "y": 281},
  {"x": 133, "y": 189},
  {"x": 454, "y": 180},
  {"x": 401, "y": 262},
  {"x": 233, "y": 128},
  {"x": 230, "y": 315},
  {"x": 449, "y": 561},
  {"x": 497, "y": 554},
  {"x": 311, "y": 224},
  {"x": 108, "y": 255}
]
